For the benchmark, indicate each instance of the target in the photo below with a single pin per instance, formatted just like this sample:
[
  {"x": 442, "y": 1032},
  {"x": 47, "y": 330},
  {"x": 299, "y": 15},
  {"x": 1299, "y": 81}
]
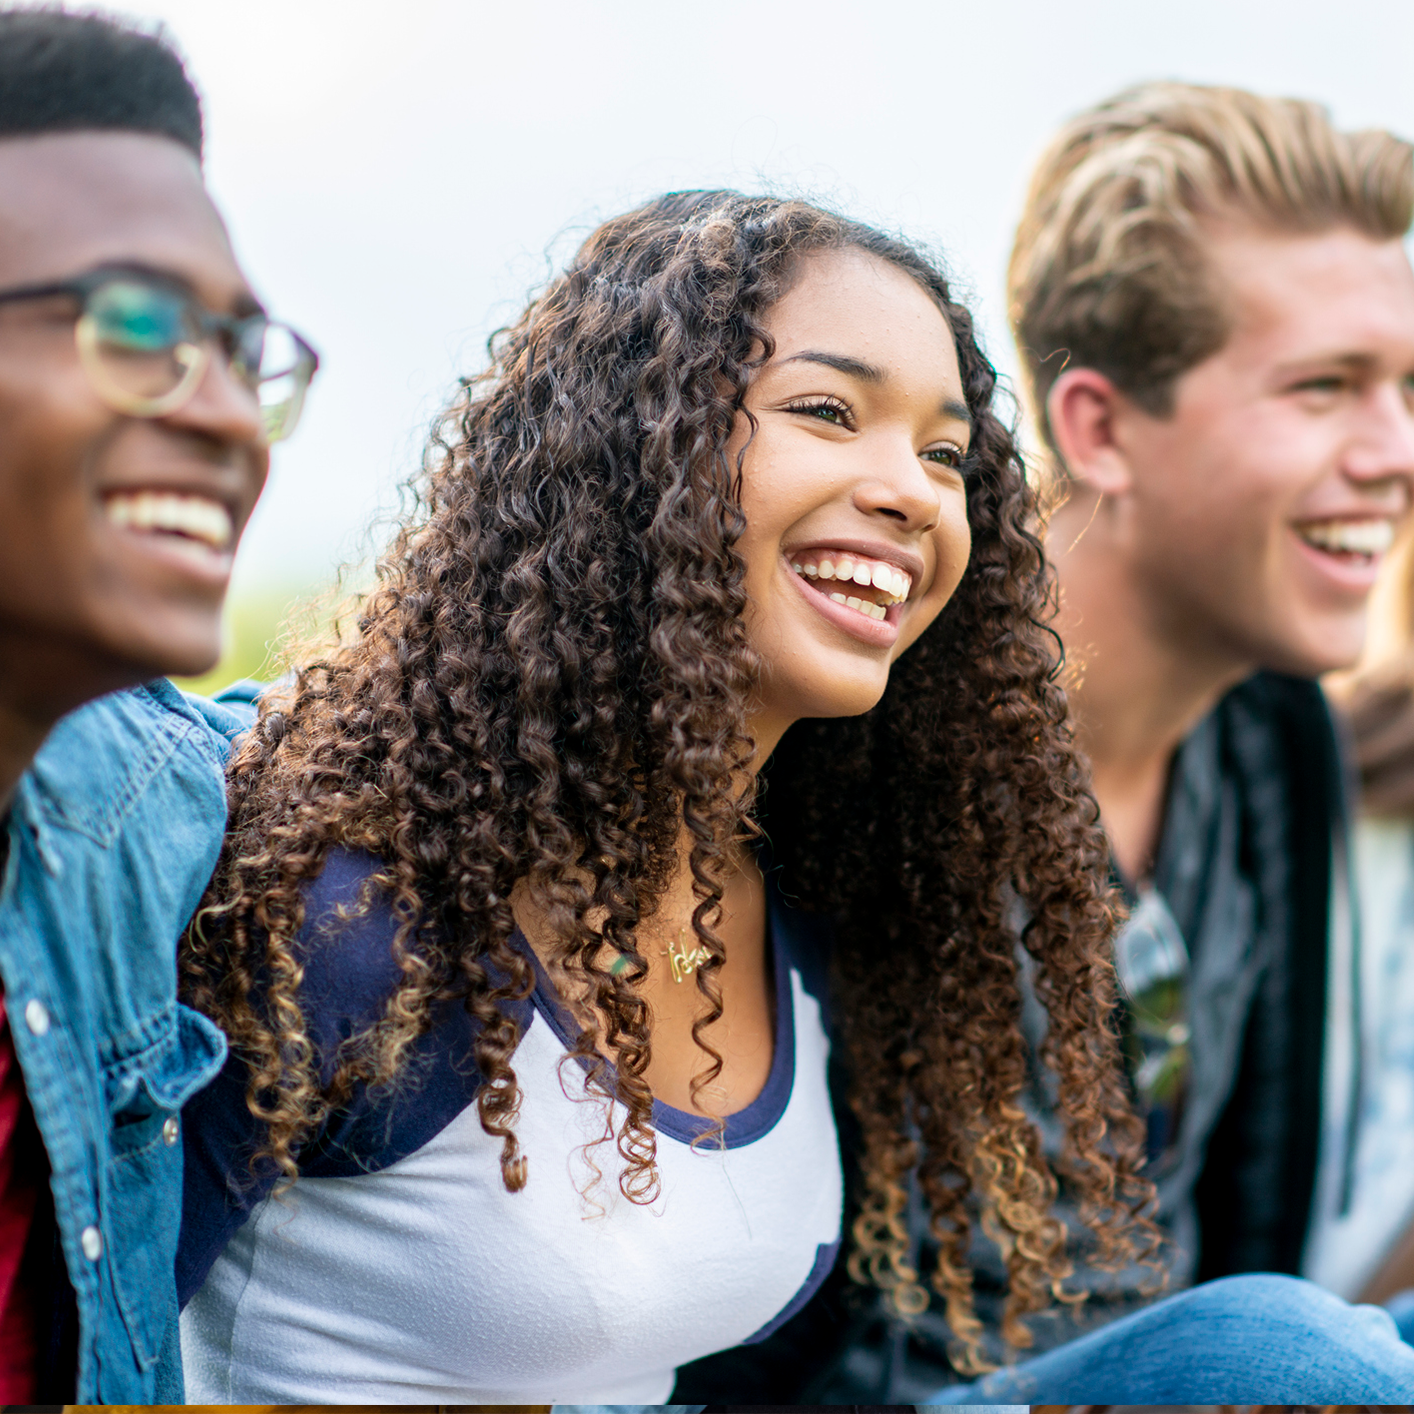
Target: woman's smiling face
[{"x": 852, "y": 487}]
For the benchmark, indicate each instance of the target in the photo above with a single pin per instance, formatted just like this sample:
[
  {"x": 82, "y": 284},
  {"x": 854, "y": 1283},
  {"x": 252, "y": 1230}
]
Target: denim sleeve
[{"x": 170, "y": 1386}]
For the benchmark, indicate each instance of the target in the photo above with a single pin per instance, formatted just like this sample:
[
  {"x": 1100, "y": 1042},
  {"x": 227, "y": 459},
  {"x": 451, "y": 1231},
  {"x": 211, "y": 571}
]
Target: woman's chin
[{"x": 838, "y": 697}]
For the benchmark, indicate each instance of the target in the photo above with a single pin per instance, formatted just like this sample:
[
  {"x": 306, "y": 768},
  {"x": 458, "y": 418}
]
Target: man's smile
[
  {"x": 195, "y": 530},
  {"x": 1357, "y": 541}
]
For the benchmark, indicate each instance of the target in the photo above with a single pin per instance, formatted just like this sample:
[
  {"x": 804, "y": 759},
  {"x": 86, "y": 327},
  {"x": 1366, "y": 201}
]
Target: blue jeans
[
  {"x": 1241, "y": 1340},
  {"x": 1401, "y": 1308}
]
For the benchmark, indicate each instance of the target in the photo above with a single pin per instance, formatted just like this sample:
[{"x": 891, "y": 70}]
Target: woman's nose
[{"x": 898, "y": 485}]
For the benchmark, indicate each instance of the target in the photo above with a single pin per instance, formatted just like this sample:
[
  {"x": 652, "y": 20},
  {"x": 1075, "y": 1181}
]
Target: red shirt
[{"x": 22, "y": 1175}]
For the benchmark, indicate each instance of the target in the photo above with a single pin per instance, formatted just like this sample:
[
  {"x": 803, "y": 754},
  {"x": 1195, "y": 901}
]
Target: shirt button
[
  {"x": 171, "y": 1129},
  {"x": 37, "y": 1016},
  {"x": 91, "y": 1240}
]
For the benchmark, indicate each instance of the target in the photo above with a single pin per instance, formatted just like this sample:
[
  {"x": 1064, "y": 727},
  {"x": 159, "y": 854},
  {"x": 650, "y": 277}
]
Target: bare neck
[
  {"x": 19, "y": 741},
  {"x": 40, "y": 681},
  {"x": 1138, "y": 681}
]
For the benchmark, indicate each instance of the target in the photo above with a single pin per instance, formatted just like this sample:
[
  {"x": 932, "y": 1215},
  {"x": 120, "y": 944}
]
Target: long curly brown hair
[{"x": 549, "y": 683}]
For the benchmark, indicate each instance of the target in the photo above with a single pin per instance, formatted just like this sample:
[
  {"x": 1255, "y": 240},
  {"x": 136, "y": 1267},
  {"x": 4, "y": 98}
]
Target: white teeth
[
  {"x": 877, "y": 574},
  {"x": 873, "y": 574},
  {"x": 1354, "y": 537},
  {"x": 194, "y": 517}
]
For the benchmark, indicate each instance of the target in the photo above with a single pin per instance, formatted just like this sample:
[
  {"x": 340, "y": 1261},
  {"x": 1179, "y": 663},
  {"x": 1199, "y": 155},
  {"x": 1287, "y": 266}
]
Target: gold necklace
[{"x": 681, "y": 962}]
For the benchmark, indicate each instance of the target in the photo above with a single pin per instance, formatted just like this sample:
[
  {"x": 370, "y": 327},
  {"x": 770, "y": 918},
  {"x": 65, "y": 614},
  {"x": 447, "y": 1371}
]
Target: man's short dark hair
[{"x": 65, "y": 72}]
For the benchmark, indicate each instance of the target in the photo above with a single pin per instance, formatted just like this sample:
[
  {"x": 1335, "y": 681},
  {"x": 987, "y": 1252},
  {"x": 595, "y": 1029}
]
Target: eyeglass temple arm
[{"x": 23, "y": 292}]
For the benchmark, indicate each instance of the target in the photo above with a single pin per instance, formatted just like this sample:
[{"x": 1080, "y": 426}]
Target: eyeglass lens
[
  {"x": 150, "y": 345},
  {"x": 278, "y": 365},
  {"x": 145, "y": 338}
]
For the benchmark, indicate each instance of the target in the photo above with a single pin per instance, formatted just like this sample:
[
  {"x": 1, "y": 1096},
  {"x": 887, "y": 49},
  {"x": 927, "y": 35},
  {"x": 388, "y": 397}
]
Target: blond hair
[{"x": 1109, "y": 269}]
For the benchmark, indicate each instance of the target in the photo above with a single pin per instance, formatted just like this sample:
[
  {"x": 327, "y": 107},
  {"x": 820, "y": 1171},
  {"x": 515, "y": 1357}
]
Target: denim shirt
[{"x": 113, "y": 834}]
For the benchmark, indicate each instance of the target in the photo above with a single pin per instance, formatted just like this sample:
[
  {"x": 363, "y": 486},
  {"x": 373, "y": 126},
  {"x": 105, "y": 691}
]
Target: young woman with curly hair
[{"x": 707, "y": 683}]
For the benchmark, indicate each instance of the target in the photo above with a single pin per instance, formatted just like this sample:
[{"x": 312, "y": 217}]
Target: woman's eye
[
  {"x": 946, "y": 455},
  {"x": 829, "y": 410}
]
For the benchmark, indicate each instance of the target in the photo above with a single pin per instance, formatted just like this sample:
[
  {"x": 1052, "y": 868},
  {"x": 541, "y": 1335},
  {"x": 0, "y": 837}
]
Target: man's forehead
[
  {"x": 1337, "y": 283},
  {"x": 71, "y": 201}
]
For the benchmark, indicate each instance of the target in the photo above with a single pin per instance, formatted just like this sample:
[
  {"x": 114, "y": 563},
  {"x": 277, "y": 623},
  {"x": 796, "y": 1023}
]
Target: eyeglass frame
[{"x": 226, "y": 327}]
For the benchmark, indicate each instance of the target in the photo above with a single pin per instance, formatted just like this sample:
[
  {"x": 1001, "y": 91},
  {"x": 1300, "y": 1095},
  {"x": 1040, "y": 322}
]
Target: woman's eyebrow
[
  {"x": 842, "y": 363},
  {"x": 872, "y": 373}
]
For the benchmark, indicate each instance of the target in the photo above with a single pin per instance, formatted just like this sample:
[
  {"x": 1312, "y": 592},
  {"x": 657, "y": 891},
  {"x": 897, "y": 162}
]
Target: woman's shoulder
[{"x": 346, "y": 948}]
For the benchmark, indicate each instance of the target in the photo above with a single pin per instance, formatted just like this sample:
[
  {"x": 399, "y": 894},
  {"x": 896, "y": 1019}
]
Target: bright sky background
[{"x": 396, "y": 176}]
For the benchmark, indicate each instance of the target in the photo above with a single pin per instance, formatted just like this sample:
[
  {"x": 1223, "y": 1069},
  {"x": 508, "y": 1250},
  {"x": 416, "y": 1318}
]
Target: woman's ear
[{"x": 1083, "y": 408}]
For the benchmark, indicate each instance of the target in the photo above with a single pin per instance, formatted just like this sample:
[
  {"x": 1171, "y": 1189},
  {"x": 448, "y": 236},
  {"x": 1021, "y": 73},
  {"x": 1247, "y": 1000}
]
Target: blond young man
[
  {"x": 1216, "y": 319},
  {"x": 1215, "y": 311}
]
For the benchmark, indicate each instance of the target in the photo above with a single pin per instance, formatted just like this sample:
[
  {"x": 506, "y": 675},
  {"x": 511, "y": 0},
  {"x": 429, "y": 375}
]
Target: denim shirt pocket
[{"x": 146, "y": 1092}]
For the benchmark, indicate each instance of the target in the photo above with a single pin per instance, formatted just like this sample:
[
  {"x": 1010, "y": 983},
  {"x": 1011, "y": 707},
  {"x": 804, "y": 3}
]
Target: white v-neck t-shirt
[{"x": 423, "y": 1280}]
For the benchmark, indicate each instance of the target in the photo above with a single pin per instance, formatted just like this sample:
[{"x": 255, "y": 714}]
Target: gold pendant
[{"x": 682, "y": 962}]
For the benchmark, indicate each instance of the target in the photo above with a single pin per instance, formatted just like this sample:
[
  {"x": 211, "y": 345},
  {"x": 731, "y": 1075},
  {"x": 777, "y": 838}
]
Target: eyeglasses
[{"x": 146, "y": 344}]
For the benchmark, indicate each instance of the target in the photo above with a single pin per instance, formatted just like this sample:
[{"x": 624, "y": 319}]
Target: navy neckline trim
[{"x": 747, "y": 1125}]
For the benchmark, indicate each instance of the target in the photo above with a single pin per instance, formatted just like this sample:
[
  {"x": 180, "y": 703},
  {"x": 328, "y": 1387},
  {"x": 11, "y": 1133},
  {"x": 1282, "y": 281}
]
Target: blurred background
[{"x": 398, "y": 177}]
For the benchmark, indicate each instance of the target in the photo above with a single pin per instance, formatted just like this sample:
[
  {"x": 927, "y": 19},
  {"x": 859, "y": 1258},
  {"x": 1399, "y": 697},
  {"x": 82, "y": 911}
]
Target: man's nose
[
  {"x": 224, "y": 407},
  {"x": 1383, "y": 450}
]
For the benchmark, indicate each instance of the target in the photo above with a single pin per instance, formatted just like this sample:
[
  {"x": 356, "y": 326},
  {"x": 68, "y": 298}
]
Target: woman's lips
[
  {"x": 869, "y": 583},
  {"x": 858, "y": 622}
]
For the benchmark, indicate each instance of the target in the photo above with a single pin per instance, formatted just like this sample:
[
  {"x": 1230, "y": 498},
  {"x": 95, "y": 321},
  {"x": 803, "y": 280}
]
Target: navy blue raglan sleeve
[
  {"x": 218, "y": 1188},
  {"x": 347, "y": 977},
  {"x": 350, "y": 972}
]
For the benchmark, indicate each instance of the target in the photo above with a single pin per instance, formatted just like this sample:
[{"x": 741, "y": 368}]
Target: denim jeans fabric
[
  {"x": 628, "y": 1408},
  {"x": 113, "y": 833},
  {"x": 1241, "y": 1340},
  {"x": 1401, "y": 1310}
]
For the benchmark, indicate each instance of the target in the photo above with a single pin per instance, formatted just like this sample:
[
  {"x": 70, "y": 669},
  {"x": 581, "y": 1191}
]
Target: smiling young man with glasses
[{"x": 141, "y": 385}]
